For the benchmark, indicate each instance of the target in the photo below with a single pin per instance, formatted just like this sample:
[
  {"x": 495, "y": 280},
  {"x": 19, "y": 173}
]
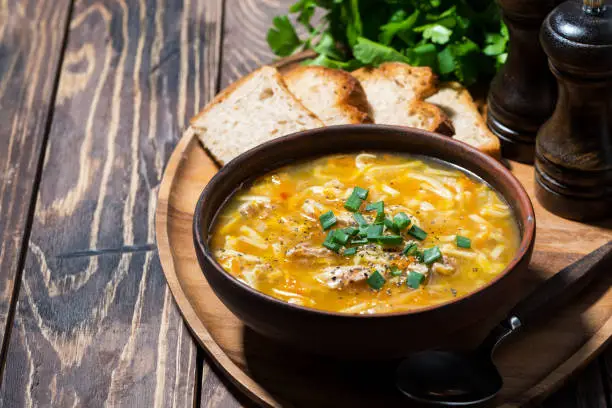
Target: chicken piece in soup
[{"x": 366, "y": 233}]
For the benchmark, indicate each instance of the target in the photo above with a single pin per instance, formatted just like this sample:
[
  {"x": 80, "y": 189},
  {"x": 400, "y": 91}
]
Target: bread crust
[
  {"x": 224, "y": 94},
  {"x": 492, "y": 146},
  {"x": 402, "y": 73},
  {"x": 350, "y": 98},
  {"x": 226, "y": 135}
]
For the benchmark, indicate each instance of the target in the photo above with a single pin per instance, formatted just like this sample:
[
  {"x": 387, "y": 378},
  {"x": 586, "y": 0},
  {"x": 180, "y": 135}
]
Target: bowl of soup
[{"x": 366, "y": 241}]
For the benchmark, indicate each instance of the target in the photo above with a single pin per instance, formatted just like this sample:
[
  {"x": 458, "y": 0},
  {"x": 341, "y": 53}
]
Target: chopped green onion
[
  {"x": 390, "y": 225},
  {"x": 401, "y": 220},
  {"x": 353, "y": 203},
  {"x": 378, "y": 206},
  {"x": 391, "y": 240},
  {"x": 463, "y": 242},
  {"x": 363, "y": 231},
  {"x": 341, "y": 237},
  {"x": 374, "y": 232},
  {"x": 415, "y": 279},
  {"x": 349, "y": 251},
  {"x": 431, "y": 255},
  {"x": 330, "y": 243},
  {"x": 395, "y": 271},
  {"x": 352, "y": 231},
  {"x": 419, "y": 256},
  {"x": 327, "y": 220},
  {"x": 376, "y": 280},
  {"x": 417, "y": 233},
  {"x": 360, "y": 192},
  {"x": 361, "y": 221},
  {"x": 410, "y": 249},
  {"x": 359, "y": 241}
]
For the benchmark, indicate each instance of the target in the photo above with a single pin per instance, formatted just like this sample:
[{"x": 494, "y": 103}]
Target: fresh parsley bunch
[{"x": 462, "y": 40}]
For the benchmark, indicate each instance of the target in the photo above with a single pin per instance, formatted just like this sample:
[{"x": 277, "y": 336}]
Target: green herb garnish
[
  {"x": 410, "y": 249},
  {"x": 376, "y": 280},
  {"x": 415, "y": 279},
  {"x": 401, "y": 220},
  {"x": 463, "y": 242},
  {"x": 353, "y": 203},
  {"x": 350, "y": 251},
  {"x": 378, "y": 206},
  {"x": 390, "y": 240},
  {"x": 431, "y": 255},
  {"x": 327, "y": 220},
  {"x": 389, "y": 224},
  {"x": 352, "y": 231},
  {"x": 360, "y": 192},
  {"x": 361, "y": 221},
  {"x": 359, "y": 241},
  {"x": 341, "y": 237},
  {"x": 330, "y": 242},
  {"x": 374, "y": 232},
  {"x": 417, "y": 233}
]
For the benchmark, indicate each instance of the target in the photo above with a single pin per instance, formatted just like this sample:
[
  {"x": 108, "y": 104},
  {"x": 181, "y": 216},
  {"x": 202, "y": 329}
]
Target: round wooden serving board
[{"x": 533, "y": 364}]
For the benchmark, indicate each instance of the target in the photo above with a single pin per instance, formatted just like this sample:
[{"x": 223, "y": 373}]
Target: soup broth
[{"x": 365, "y": 233}]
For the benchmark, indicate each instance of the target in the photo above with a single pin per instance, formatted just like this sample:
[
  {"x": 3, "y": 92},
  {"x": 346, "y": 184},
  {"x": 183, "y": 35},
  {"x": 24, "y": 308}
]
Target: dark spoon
[{"x": 452, "y": 379}]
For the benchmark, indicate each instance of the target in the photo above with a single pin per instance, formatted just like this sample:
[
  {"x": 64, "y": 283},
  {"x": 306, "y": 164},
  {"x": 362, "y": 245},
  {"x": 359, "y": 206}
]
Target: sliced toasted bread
[
  {"x": 395, "y": 92},
  {"x": 333, "y": 95},
  {"x": 251, "y": 111},
  {"x": 470, "y": 126}
]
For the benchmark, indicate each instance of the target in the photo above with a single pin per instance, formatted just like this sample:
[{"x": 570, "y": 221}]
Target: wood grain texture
[
  {"x": 95, "y": 322},
  {"x": 31, "y": 37},
  {"x": 244, "y": 41}
]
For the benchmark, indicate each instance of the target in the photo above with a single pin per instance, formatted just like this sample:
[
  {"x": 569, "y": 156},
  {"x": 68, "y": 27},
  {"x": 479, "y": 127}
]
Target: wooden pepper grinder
[
  {"x": 574, "y": 148},
  {"x": 523, "y": 93}
]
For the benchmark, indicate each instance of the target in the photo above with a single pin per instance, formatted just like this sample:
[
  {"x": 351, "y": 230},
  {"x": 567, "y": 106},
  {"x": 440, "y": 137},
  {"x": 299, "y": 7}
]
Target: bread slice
[
  {"x": 470, "y": 126},
  {"x": 333, "y": 95},
  {"x": 395, "y": 92},
  {"x": 251, "y": 111}
]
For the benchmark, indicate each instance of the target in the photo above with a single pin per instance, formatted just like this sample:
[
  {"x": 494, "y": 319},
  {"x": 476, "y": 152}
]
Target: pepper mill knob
[
  {"x": 523, "y": 93},
  {"x": 574, "y": 148}
]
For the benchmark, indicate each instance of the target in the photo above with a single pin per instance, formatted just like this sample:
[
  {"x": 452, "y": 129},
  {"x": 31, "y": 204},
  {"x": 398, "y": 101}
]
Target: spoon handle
[{"x": 559, "y": 289}]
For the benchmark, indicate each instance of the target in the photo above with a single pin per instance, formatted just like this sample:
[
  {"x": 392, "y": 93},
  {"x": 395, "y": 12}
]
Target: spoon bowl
[{"x": 448, "y": 379}]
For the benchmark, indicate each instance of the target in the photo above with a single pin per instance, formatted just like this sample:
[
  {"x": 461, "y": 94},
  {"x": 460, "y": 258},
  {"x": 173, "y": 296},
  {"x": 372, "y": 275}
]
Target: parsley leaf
[
  {"x": 282, "y": 37},
  {"x": 437, "y": 33},
  {"x": 306, "y": 9},
  {"x": 370, "y": 52},
  {"x": 327, "y": 47},
  {"x": 390, "y": 30},
  {"x": 324, "y": 61}
]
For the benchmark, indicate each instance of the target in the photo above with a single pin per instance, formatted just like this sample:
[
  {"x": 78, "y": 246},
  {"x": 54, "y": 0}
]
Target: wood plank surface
[
  {"x": 95, "y": 323},
  {"x": 31, "y": 37}
]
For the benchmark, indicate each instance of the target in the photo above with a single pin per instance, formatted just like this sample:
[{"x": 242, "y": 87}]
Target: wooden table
[{"x": 94, "y": 94}]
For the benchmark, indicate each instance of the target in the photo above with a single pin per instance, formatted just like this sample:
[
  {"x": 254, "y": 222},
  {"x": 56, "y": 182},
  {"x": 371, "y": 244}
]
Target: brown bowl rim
[{"x": 523, "y": 199}]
